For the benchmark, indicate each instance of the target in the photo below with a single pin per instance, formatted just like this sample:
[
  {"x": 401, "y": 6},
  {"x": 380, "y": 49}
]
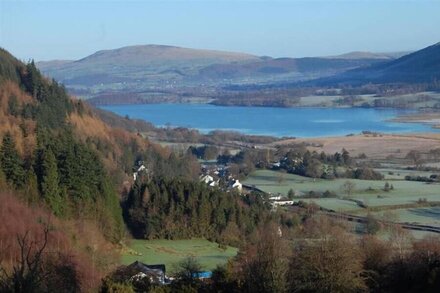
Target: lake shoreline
[{"x": 300, "y": 122}]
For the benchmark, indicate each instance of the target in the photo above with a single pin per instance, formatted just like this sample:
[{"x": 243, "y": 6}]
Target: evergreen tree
[
  {"x": 33, "y": 79},
  {"x": 11, "y": 163},
  {"x": 49, "y": 181},
  {"x": 31, "y": 188},
  {"x": 176, "y": 208}
]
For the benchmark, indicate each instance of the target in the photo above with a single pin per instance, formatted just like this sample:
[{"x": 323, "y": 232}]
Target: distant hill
[
  {"x": 369, "y": 55},
  {"x": 151, "y": 73},
  {"x": 156, "y": 62},
  {"x": 304, "y": 68},
  {"x": 151, "y": 54},
  {"x": 422, "y": 66},
  {"x": 157, "y": 73},
  {"x": 136, "y": 63}
]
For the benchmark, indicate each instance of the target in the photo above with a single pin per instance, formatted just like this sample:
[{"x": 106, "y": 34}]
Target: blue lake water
[{"x": 297, "y": 122}]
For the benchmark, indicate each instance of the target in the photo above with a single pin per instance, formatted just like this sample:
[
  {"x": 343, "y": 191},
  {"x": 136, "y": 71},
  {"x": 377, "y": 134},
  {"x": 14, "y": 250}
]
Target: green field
[
  {"x": 369, "y": 191},
  {"x": 399, "y": 174},
  {"x": 424, "y": 216},
  {"x": 170, "y": 252}
]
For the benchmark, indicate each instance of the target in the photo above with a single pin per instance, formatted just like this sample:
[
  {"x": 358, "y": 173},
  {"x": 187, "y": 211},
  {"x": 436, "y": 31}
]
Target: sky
[{"x": 46, "y": 30}]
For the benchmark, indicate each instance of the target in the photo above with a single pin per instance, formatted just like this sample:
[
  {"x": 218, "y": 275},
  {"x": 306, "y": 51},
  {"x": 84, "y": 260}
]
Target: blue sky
[{"x": 62, "y": 29}]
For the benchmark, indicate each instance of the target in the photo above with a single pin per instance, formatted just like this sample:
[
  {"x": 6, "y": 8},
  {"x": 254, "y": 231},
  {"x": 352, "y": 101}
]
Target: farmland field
[
  {"x": 424, "y": 216},
  {"x": 399, "y": 174},
  {"x": 170, "y": 252},
  {"x": 369, "y": 191}
]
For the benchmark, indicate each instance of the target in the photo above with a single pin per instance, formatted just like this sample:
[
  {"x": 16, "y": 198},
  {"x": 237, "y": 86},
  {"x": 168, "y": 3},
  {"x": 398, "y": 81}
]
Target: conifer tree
[
  {"x": 11, "y": 162},
  {"x": 49, "y": 182},
  {"x": 31, "y": 188}
]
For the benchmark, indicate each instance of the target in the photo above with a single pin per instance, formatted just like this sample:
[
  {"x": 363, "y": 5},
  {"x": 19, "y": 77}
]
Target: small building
[
  {"x": 156, "y": 274},
  {"x": 206, "y": 179},
  {"x": 140, "y": 170},
  {"x": 282, "y": 202},
  {"x": 237, "y": 185},
  {"x": 276, "y": 165},
  {"x": 275, "y": 197}
]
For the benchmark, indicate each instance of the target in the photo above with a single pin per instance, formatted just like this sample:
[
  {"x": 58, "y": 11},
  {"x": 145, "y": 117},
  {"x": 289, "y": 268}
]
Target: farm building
[{"x": 154, "y": 273}]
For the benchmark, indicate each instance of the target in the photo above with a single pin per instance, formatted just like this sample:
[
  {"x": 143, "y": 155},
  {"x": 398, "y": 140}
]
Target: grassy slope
[{"x": 170, "y": 252}]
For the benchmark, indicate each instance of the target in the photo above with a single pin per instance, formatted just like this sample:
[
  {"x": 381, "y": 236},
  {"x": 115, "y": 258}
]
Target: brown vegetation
[
  {"x": 78, "y": 242},
  {"x": 23, "y": 130},
  {"x": 373, "y": 146}
]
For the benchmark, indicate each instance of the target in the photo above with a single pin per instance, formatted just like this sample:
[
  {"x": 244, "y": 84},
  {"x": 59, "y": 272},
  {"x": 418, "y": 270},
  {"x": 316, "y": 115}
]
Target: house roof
[{"x": 142, "y": 267}]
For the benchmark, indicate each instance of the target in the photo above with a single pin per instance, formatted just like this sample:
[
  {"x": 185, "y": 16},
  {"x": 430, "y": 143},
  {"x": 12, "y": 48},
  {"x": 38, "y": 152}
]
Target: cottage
[
  {"x": 154, "y": 273},
  {"x": 237, "y": 185},
  {"x": 206, "y": 179}
]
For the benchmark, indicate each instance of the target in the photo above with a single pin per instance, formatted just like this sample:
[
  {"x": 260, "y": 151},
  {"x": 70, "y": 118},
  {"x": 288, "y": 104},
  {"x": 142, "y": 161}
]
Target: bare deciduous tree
[
  {"x": 28, "y": 274},
  {"x": 348, "y": 187}
]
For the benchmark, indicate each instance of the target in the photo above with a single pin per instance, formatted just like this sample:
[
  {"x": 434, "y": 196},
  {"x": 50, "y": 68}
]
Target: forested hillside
[
  {"x": 41, "y": 152},
  {"x": 64, "y": 169}
]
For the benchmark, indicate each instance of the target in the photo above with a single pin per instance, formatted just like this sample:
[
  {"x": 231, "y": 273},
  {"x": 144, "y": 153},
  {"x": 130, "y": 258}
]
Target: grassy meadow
[
  {"x": 422, "y": 215},
  {"x": 369, "y": 191},
  {"x": 170, "y": 252}
]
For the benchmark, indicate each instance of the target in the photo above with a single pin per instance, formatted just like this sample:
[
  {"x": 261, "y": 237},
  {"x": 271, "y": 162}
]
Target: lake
[{"x": 296, "y": 122}]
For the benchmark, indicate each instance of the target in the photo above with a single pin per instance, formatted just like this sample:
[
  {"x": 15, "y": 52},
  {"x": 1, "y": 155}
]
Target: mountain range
[
  {"x": 157, "y": 73},
  {"x": 157, "y": 68}
]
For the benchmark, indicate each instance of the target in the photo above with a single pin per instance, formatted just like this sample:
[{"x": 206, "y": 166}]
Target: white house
[
  {"x": 276, "y": 165},
  {"x": 141, "y": 168},
  {"x": 282, "y": 202},
  {"x": 214, "y": 183},
  {"x": 207, "y": 179},
  {"x": 237, "y": 185},
  {"x": 276, "y": 197}
]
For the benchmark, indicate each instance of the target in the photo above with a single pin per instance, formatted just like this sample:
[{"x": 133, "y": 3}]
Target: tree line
[{"x": 176, "y": 208}]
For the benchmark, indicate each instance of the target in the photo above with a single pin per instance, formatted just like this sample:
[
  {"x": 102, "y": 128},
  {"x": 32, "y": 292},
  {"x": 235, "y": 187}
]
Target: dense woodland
[
  {"x": 63, "y": 168},
  {"x": 177, "y": 208}
]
